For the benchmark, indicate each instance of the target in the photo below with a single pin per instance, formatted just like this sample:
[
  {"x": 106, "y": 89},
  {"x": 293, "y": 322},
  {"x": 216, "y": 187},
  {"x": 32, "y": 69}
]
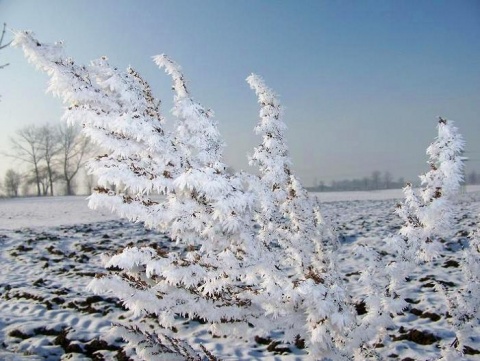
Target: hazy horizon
[{"x": 362, "y": 83}]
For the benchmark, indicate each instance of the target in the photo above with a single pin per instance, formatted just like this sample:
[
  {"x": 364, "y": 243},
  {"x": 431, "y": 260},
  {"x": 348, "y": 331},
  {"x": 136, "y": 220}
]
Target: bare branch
[
  {"x": 3, "y": 35},
  {"x": 5, "y": 45},
  {"x": 74, "y": 150}
]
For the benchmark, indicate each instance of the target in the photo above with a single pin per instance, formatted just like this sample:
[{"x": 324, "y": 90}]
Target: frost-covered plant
[
  {"x": 370, "y": 328},
  {"x": 252, "y": 248},
  {"x": 467, "y": 302},
  {"x": 251, "y": 254},
  {"x": 310, "y": 289},
  {"x": 464, "y": 304},
  {"x": 427, "y": 216},
  {"x": 157, "y": 346}
]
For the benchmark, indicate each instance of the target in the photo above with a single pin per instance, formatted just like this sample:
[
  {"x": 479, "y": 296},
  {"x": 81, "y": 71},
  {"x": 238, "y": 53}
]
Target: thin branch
[{"x": 3, "y": 35}]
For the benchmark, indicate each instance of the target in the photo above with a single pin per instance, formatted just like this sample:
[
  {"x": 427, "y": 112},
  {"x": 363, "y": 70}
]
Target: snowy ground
[{"x": 52, "y": 247}]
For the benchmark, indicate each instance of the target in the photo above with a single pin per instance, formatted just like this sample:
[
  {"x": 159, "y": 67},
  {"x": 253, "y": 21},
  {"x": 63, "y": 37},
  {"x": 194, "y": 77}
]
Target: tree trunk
[
  {"x": 50, "y": 180},
  {"x": 69, "y": 187},
  {"x": 37, "y": 180}
]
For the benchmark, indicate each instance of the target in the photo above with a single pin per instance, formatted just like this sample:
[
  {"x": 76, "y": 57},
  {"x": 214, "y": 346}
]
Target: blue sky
[{"x": 362, "y": 81}]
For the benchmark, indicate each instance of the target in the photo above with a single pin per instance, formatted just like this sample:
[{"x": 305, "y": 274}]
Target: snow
[
  {"x": 52, "y": 247},
  {"x": 377, "y": 195},
  {"x": 17, "y": 213}
]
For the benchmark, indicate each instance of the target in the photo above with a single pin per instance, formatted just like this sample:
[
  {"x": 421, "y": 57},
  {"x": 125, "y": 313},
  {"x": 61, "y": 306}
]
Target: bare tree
[
  {"x": 366, "y": 183},
  {"x": 74, "y": 150},
  {"x": 13, "y": 180},
  {"x": 387, "y": 180},
  {"x": 4, "y": 45},
  {"x": 50, "y": 146},
  {"x": 90, "y": 180},
  {"x": 44, "y": 176},
  {"x": 27, "y": 147},
  {"x": 376, "y": 179}
]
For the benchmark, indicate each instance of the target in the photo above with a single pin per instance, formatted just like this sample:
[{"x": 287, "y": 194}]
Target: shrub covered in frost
[
  {"x": 255, "y": 255},
  {"x": 253, "y": 250}
]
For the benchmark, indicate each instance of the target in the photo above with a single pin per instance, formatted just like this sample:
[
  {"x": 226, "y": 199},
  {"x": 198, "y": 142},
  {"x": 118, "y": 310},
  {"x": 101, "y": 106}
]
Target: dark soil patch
[
  {"x": 61, "y": 291},
  {"x": 432, "y": 316},
  {"x": 427, "y": 278},
  {"x": 25, "y": 295},
  {"x": 357, "y": 273},
  {"x": 418, "y": 337},
  {"x": 411, "y": 301},
  {"x": 86, "y": 248},
  {"x": 89, "y": 349},
  {"x": 299, "y": 342},
  {"x": 447, "y": 283},
  {"x": 98, "y": 345},
  {"x": 274, "y": 346},
  {"x": 262, "y": 340},
  {"x": 277, "y": 349},
  {"x": 432, "y": 284},
  {"x": 467, "y": 350},
  {"x": 54, "y": 251},
  {"x": 451, "y": 263},
  {"x": 83, "y": 307},
  {"x": 58, "y": 300},
  {"x": 19, "y": 334},
  {"x": 361, "y": 308},
  {"x": 22, "y": 248},
  {"x": 122, "y": 356},
  {"x": 86, "y": 274},
  {"x": 48, "y": 331},
  {"x": 39, "y": 282},
  {"x": 37, "y": 331}
]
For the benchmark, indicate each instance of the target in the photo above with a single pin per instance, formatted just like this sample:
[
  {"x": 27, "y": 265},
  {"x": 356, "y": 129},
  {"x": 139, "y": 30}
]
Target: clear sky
[{"x": 362, "y": 82}]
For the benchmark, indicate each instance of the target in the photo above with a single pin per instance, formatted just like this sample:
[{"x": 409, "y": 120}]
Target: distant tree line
[
  {"x": 376, "y": 181},
  {"x": 50, "y": 158}
]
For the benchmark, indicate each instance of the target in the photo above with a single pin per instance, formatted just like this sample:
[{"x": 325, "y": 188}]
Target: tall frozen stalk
[
  {"x": 427, "y": 217},
  {"x": 312, "y": 293}
]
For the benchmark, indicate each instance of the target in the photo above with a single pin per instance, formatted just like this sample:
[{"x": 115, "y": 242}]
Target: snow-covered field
[{"x": 52, "y": 247}]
